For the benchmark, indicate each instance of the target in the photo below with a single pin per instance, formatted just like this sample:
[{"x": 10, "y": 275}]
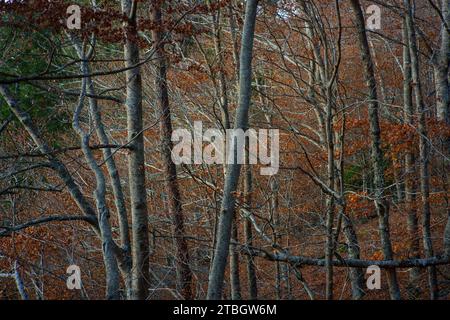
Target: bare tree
[
  {"x": 423, "y": 147},
  {"x": 410, "y": 179},
  {"x": 136, "y": 168},
  {"x": 184, "y": 273},
  {"x": 231, "y": 180},
  {"x": 381, "y": 203}
]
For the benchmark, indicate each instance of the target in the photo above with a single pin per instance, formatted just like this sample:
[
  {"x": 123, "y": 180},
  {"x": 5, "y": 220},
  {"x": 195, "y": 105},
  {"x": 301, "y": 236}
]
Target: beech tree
[{"x": 357, "y": 91}]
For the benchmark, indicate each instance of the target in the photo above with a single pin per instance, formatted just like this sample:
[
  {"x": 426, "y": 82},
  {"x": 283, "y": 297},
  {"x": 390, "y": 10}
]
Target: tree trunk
[
  {"x": 44, "y": 148},
  {"x": 248, "y": 234},
  {"x": 235, "y": 280},
  {"x": 99, "y": 194},
  {"x": 276, "y": 239},
  {"x": 119, "y": 198},
  {"x": 136, "y": 158},
  {"x": 423, "y": 149},
  {"x": 441, "y": 66},
  {"x": 101, "y": 224},
  {"x": 184, "y": 274},
  {"x": 410, "y": 178},
  {"x": 381, "y": 204},
  {"x": 216, "y": 276},
  {"x": 356, "y": 274},
  {"x": 329, "y": 246}
]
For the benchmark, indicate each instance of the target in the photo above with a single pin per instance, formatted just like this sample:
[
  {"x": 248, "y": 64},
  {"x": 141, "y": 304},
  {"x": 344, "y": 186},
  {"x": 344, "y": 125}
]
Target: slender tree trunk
[
  {"x": 99, "y": 194},
  {"x": 44, "y": 148},
  {"x": 381, "y": 204},
  {"x": 184, "y": 274},
  {"x": 351, "y": 238},
  {"x": 396, "y": 164},
  {"x": 19, "y": 282},
  {"x": 234, "y": 38},
  {"x": 410, "y": 179},
  {"x": 329, "y": 246},
  {"x": 248, "y": 234},
  {"x": 216, "y": 276},
  {"x": 276, "y": 239},
  {"x": 356, "y": 274},
  {"x": 235, "y": 280},
  {"x": 442, "y": 65},
  {"x": 223, "y": 97},
  {"x": 136, "y": 158},
  {"x": 100, "y": 223},
  {"x": 119, "y": 198},
  {"x": 423, "y": 149},
  {"x": 223, "y": 87}
]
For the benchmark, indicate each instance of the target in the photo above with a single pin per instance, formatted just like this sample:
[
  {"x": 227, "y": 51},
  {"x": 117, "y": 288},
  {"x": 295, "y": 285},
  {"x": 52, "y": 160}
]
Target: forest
[{"x": 224, "y": 150}]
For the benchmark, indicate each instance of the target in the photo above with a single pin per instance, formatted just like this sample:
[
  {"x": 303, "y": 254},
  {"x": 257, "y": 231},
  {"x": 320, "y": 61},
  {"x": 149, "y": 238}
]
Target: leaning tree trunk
[
  {"x": 184, "y": 274},
  {"x": 216, "y": 276},
  {"x": 136, "y": 160},
  {"x": 235, "y": 281},
  {"x": 101, "y": 223},
  {"x": 381, "y": 204},
  {"x": 423, "y": 149},
  {"x": 57, "y": 165}
]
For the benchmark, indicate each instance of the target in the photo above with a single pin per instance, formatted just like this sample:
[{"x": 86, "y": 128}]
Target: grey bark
[
  {"x": 108, "y": 246},
  {"x": 423, "y": 148},
  {"x": 19, "y": 282},
  {"x": 248, "y": 234},
  {"x": 351, "y": 238},
  {"x": 381, "y": 204},
  {"x": 44, "y": 148},
  {"x": 329, "y": 246},
  {"x": 356, "y": 274},
  {"x": 184, "y": 274},
  {"x": 410, "y": 183},
  {"x": 216, "y": 276},
  {"x": 119, "y": 198},
  {"x": 274, "y": 217},
  {"x": 136, "y": 170},
  {"x": 101, "y": 223},
  {"x": 442, "y": 65},
  {"x": 349, "y": 263},
  {"x": 235, "y": 280}
]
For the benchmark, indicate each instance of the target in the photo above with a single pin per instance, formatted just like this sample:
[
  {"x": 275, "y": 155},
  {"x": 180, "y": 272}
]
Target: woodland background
[{"x": 86, "y": 177}]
